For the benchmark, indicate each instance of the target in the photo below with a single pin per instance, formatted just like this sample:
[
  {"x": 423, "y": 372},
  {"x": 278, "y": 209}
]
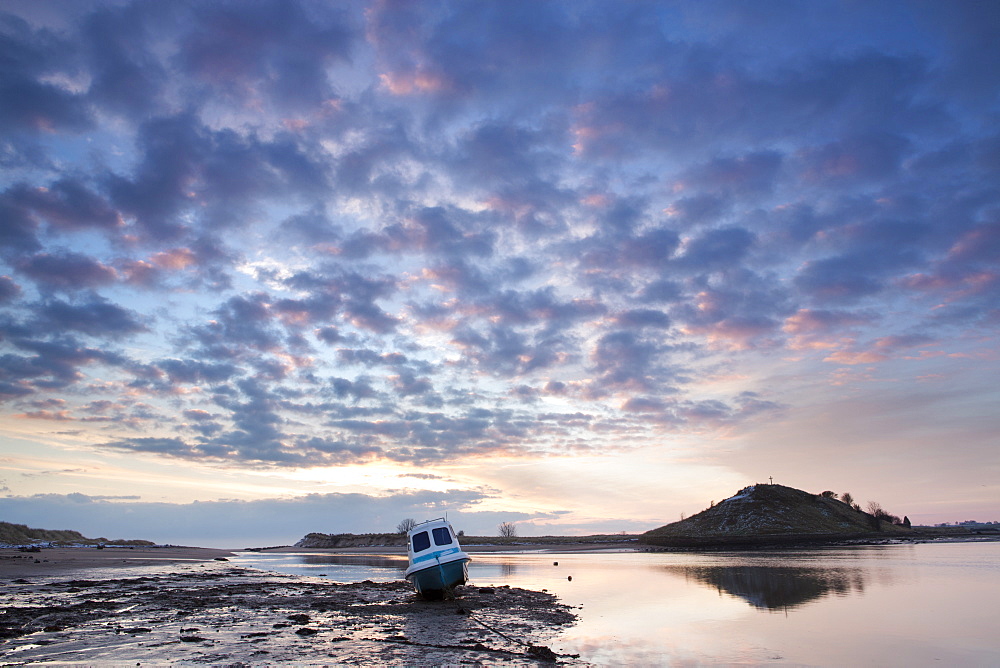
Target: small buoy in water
[
  {"x": 555, "y": 563},
  {"x": 570, "y": 578}
]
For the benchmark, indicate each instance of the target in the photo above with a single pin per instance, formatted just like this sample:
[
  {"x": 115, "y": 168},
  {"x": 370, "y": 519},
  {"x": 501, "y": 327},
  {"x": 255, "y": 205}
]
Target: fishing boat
[{"x": 437, "y": 562}]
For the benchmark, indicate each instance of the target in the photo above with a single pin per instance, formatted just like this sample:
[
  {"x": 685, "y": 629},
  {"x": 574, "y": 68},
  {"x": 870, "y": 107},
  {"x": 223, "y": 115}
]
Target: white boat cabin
[{"x": 432, "y": 538}]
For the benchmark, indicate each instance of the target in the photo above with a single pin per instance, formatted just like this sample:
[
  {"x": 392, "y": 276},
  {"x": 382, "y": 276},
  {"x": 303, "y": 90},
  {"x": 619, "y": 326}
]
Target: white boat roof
[{"x": 428, "y": 524}]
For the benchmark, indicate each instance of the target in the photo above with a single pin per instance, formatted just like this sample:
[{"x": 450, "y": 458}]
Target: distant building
[{"x": 968, "y": 524}]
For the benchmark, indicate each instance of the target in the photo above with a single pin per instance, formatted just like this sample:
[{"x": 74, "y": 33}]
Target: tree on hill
[
  {"x": 847, "y": 498},
  {"x": 876, "y": 510},
  {"x": 507, "y": 530}
]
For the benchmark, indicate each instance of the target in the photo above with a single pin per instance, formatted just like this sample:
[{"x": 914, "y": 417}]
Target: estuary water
[{"x": 888, "y": 605}]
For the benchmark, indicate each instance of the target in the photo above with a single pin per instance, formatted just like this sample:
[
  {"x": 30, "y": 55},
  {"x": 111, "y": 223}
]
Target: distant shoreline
[
  {"x": 526, "y": 546},
  {"x": 803, "y": 541},
  {"x": 59, "y": 560},
  {"x": 15, "y": 563},
  {"x": 555, "y": 544}
]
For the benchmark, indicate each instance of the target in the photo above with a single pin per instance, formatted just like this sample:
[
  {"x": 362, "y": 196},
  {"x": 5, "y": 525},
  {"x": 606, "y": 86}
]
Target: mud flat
[{"x": 212, "y": 613}]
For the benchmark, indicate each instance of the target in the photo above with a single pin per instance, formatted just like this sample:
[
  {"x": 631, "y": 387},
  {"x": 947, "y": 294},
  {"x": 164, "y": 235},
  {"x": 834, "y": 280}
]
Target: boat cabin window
[
  {"x": 421, "y": 541},
  {"x": 442, "y": 536}
]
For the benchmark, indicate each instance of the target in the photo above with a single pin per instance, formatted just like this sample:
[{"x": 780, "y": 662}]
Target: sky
[{"x": 276, "y": 267}]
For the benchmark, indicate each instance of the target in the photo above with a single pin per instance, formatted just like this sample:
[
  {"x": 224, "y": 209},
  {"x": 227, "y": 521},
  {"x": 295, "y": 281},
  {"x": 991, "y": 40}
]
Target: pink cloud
[
  {"x": 412, "y": 83},
  {"x": 811, "y": 321},
  {"x": 177, "y": 258},
  {"x": 56, "y": 416},
  {"x": 643, "y": 405},
  {"x": 852, "y": 357},
  {"x": 959, "y": 281},
  {"x": 979, "y": 244},
  {"x": 736, "y": 333}
]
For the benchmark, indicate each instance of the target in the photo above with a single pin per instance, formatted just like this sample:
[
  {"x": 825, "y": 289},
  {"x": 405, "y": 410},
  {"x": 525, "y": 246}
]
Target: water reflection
[
  {"x": 777, "y": 587},
  {"x": 371, "y": 561},
  {"x": 935, "y": 604},
  {"x": 507, "y": 569},
  {"x": 337, "y": 567}
]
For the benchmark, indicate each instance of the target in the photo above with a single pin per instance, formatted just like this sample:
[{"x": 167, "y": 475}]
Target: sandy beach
[{"x": 189, "y": 605}]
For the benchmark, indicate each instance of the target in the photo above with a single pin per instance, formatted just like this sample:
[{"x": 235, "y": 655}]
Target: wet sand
[{"x": 188, "y": 607}]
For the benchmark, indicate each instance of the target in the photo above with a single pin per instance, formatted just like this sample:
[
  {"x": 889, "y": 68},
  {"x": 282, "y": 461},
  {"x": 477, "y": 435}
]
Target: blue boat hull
[{"x": 436, "y": 579}]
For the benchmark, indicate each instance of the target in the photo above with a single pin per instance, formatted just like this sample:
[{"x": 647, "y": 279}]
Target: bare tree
[
  {"x": 507, "y": 530},
  {"x": 405, "y": 525},
  {"x": 847, "y": 498},
  {"x": 876, "y": 510}
]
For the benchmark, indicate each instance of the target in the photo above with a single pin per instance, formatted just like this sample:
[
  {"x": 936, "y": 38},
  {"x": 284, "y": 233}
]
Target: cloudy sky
[{"x": 275, "y": 267}]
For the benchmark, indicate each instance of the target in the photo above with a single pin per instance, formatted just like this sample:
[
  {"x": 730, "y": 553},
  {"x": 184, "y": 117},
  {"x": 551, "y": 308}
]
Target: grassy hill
[
  {"x": 770, "y": 514},
  {"x": 20, "y": 534}
]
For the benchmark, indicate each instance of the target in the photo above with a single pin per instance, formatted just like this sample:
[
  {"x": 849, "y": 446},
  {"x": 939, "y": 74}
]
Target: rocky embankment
[{"x": 336, "y": 540}]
